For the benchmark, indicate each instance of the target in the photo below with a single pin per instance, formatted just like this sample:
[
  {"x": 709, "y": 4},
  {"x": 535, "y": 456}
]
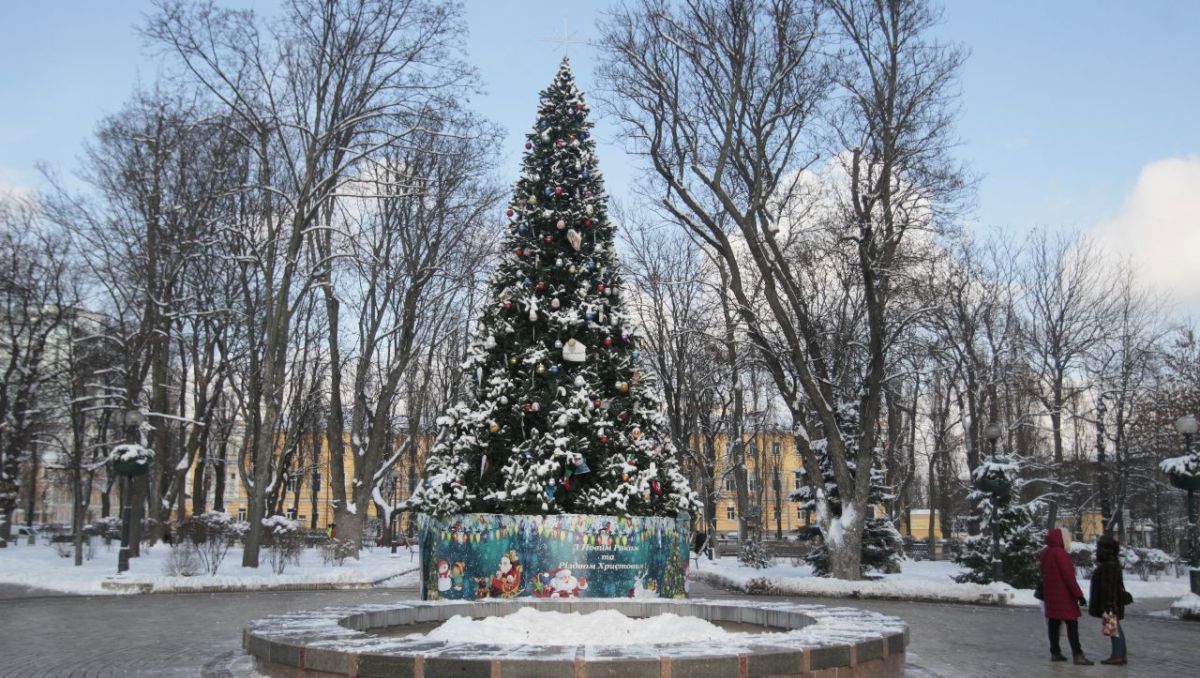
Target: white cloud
[
  {"x": 1159, "y": 228},
  {"x": 11, "y": 185}
]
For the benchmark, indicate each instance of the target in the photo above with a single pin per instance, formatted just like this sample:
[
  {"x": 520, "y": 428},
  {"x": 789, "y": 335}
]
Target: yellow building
[
  {"x": 773, "y": 473},
  {"x": 920, "y": 523},
  {"x": 314, "y": 510}
]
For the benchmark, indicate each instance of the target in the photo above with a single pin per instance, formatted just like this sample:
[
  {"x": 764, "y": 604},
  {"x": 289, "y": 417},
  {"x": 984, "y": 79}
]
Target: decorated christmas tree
[
  {"x": 1021, "y": 539},
  {"x": 559, "y": 417}
]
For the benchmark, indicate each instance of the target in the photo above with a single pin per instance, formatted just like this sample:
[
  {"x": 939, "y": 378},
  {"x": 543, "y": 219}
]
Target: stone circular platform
[{"x": 369, "y": 640}]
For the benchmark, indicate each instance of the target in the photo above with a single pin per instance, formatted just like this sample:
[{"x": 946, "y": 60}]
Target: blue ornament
[
  {"x": 548, "y": 191},
  {"x": 582, "y": 467},
  {"x": 551, "y": 490},
  {"x": 528, "y": 282},
  {"x": 522, "y": 230},
  {"x": 583, "y": 135},
  {"x": 634, "y": 354},
  {"x": 591, "y": 266},
  {"x": 554, "y": 369},
  {"x": 589, "y": 315}
]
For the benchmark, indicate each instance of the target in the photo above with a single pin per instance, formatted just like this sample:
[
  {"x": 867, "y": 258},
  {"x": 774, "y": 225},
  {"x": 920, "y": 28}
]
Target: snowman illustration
[{"x": 443, "y": 576}]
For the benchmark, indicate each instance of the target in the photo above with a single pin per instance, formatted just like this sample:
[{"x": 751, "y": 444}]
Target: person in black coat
[{"x": 1108, "y": 593}]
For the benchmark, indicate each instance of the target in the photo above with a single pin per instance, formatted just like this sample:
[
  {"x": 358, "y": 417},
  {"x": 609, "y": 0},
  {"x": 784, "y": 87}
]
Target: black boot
[
  {"x": 1081, "y": 660},
  {"x": 1057, "y": 657}
]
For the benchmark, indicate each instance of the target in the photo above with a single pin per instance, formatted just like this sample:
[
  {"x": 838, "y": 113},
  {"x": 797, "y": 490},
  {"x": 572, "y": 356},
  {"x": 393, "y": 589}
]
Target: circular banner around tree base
[{"x": 473, "y": 556}]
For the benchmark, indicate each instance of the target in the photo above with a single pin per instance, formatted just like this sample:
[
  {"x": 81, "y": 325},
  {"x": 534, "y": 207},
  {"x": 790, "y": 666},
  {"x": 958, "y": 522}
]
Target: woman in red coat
[{"x": 1061, "y": 596}]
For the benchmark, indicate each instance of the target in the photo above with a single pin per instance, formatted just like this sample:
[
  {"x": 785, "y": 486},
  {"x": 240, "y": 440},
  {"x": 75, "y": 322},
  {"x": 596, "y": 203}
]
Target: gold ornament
[
  {"x": 636, "y": 433},
  {"x": 533, "y": 200},
  {"x": 541, "y": 369},
  {"x": 494, "y": 427},
  {"x": 622, "y": 387}
]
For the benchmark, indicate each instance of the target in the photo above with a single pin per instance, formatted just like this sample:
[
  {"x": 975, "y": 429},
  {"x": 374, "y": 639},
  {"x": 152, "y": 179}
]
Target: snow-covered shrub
[
  {"x": 286, "y": 541},
  {"x": 1146, "y": 562},
  {"x": 336, "y": 551},
  {"x": 211, "y": 534},
  {"x": 753, "y": 554},
  {"x": 184, "y": 561},
  {"x": 1083, "y": 557}
]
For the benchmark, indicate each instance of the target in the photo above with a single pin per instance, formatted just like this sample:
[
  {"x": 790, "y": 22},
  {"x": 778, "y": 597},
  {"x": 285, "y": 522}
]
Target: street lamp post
[
  {"x": 1187, "y": 426},
  {"x": 132, "y": 418},
  {"x": 992, "y": 432}
]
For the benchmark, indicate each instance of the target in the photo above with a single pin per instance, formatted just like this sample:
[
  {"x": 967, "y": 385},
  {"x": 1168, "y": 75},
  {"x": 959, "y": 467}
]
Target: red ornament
[
  {"x": 624, "y": 416},
  {"x": 600, "y": 288},
  {"x": 528, "y": 407},
  {"x": 509, "y": 212},
  {"x": 603, "y": 440},
  {"x": 586, "y": 222},
  {"x": 548, "y": 239},
  {"x": 541, "y": 287},
  {"x": 558, "y": 190},
  {"x": 566, "y": 483},
  {"x": 560, "y": 143},
  {"x": 528, "y": 145},
  {"x": 520, "y": 251},
  {"x": 508, "y": 305},
  {"x": 608, "y": 342},
  {"x": 596, "y": 403},
  {"x": 656, "y": 488}
]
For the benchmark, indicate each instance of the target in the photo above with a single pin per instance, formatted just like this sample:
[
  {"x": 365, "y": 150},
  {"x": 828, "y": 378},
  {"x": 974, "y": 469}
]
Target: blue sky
[{"x": 1065, "y": 102}]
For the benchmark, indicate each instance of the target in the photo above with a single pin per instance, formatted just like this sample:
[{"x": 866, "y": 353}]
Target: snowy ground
[
  {"x": 918, "y": 580},
  {"x": 41, "y": 567}
]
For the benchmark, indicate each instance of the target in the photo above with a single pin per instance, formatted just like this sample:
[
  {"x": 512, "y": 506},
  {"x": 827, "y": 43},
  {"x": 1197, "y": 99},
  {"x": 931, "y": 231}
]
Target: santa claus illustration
[
  {"x": 506, "y": 582},
  {"x": 443, "y": 576},
  {"x": 563, "y": 584}
]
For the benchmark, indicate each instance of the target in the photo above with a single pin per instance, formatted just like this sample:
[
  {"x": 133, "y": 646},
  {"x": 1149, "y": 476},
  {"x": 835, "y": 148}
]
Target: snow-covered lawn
[
  {"x": 40, "y": 566},
  {"x": 918, "y": 580}
]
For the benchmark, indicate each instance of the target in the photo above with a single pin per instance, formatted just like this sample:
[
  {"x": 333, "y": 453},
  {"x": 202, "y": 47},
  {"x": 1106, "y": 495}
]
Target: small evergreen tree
[
  {"x": 560, "y": 418},
  {"x": 882, "y": 546},
  {"x": 1021, "y": 540}
]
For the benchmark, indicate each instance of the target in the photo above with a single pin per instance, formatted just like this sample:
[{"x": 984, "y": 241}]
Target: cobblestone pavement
[{"x": 199, "y": 635}]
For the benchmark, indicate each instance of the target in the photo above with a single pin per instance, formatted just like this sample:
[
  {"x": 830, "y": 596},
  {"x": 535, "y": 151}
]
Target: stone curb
[{"x": 817, "y": 641}]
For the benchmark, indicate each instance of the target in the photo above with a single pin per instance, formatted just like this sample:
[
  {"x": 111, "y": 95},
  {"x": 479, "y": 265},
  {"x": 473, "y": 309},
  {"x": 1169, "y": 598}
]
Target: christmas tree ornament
[
  {"x": 635, "y": 354},
  {"x": 560, "y": 143},
  {"x": 597, "y": 403},
  {"x": 532, "y": 200},
  {"x": 536, "y": 406},
  {"x": 574, "y": 351},
  {"x": 554, "y": 369},
  {"x": 508, "y": 305},
  {"x": 623, "y": 388},
  {"x": 623, "y": 416},
  {"x": 566, "y": 484},
  {"x": 494, "y": 427},
  {"x": 541, "y": 369},
  {"x": 656, "y": 488},
  {"x": 608, "y": 342},
  {"x": 600, "y": 288},
  {"x": 513, "y": 361},
  {"x": 541, "y": 287},
  {"x": 528, "y": 407},
  {"x": 575, "y": 239},
  {"x": 636, "y": 433},
  {"x": 558, "y": 190},
  {"x": 558, "y": 343},
  {"x": 548, "y": 239},
  {"x": 582, "y": 467},
  {"x": 561, "y": 224},
  {"x": 509, "y": 212},
  {"x": 548, "y": 191},
  {"x": 586, "y": 223},
  {"x": 520, "y": 252},
  {"x": 555, "y": 303},
  {"x": 603, "y": 439}
]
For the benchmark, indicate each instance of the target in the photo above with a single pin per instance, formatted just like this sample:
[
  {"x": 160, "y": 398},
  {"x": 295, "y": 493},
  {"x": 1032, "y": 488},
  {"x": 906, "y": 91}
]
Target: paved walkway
[{"x": 199, "y": 635}]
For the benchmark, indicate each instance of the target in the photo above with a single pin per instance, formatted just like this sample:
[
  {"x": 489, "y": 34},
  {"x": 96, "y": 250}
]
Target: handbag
[
  {"x": 1126, "y": 598},
  {"x": 1109, "y": 627}
]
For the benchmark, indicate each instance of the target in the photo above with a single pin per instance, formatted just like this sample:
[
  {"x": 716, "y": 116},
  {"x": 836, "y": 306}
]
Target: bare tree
[
  {"x": 317, "y": 97},
  {"x": 38, "y": 296},
  {"x": 720, "y": 97}
]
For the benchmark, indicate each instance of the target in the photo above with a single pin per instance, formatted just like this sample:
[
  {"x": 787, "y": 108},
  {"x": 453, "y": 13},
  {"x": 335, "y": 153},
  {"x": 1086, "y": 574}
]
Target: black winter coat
[{"x": 1108, "y": 590}]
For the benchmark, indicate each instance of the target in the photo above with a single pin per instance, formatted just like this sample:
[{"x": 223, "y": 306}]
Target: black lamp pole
[
  {"x": 1193, "y": 544},
  {"x": 993, "y": 432},
  {"x": 132, "y": 419}
]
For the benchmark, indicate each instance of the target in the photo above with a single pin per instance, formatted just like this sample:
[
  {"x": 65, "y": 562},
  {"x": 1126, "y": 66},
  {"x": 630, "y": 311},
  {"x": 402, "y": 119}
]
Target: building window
[
  {"x": 729, "y": 485},
  {"x": 291, "y": 513},
  {"x": 797, "y": 480},
  {"x": 775, "y": 449},
  {"x": 730, "y": 514},
  {"x": 799, "y": 513},
  {"x": 241, "y": 515},
  {"x": 293, "y": 481},
  {"x": 302, "y": 518}
]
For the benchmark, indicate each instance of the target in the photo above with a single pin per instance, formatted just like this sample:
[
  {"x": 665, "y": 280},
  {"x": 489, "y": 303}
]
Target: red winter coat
[{"x": 1061, "y": 593}]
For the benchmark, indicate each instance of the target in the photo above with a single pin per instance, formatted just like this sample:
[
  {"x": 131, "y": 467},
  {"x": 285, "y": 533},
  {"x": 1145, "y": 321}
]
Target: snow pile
[
  {"x": 1187, "y": 607},
  {"x": 605, "y": 627},
  {"x": 41, "y": 567},
  {"x": 931, "y": 580}
]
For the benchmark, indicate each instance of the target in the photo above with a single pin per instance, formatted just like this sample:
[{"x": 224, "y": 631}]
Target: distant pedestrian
[
  {"x": 1108, "y": 596},
  {"x": 1061, "y": 596},
  {"x": 331, "y": 531}
]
